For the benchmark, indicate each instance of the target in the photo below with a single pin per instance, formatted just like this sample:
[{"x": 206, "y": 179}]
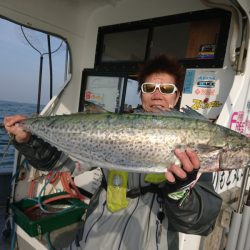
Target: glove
[
  {"x": 181, "y": 187},
  {"x": 39, "y": 154}
]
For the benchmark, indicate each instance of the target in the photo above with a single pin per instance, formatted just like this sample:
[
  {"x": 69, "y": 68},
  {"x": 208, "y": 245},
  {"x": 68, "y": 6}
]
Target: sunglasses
[{"x": 164, "y": 88}]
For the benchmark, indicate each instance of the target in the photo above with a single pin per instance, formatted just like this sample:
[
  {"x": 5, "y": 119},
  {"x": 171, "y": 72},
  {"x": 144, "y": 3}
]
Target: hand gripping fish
[{"x": 142, "y": 142}]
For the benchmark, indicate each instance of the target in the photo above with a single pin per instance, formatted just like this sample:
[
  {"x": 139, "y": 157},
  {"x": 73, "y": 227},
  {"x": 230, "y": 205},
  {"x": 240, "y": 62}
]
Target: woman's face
[{"x": 156, "y": 101}]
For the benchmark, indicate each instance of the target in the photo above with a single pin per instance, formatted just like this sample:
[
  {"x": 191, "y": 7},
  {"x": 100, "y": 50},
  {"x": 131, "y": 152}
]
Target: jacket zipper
[
  {"x": 159, "y": 219},
  {"x": 103, "y": 207}
]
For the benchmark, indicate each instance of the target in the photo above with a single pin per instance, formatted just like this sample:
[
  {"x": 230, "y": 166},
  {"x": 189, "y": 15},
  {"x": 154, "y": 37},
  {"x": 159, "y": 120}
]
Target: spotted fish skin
[{"x": 141, "y": 142}]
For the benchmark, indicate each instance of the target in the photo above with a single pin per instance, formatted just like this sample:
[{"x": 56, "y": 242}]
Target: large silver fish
[{"x": 142, "y": 142}]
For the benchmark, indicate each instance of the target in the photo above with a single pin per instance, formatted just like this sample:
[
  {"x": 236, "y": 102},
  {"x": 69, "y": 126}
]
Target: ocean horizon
[{"x": 8, "y": 108}]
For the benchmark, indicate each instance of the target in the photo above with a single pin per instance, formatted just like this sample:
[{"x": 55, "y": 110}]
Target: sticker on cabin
[
  {"x": 206, "y": 83},
  {"x": 205, "y": 104},
  {"x": 207, "y": 92},
  {"x": 207, "y": 76},
  {"x": 210, "y": 90},
  {"x": 189, "y": 81},
  {"x": 240, "y": 123},
  {"x": 92, "y": 97}
]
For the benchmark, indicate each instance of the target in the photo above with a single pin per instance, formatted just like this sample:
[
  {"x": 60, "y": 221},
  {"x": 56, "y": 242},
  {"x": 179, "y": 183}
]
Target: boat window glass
[
  {"x": 42, "y": 61},
  {"x": 197, "y": 39},
  {"x": 116, "y": 92},
  {"x": 125, "y": 46},
  {"x": 99, "y": 90},
  {"x": 187, "y": 40},
  {"x": 166, "y": 38}
]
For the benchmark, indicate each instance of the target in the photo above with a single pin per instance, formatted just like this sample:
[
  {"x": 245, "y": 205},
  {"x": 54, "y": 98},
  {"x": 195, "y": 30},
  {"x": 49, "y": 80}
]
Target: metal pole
[
  {"x": 243, "y": 188},
  {"x": 247, "y": 242},
  {"x": 50, "y": 68},
  {"x": 66, "y": 64},
  {"x": 243, "y": 228},
  {"x": 39, "y": 85},
  {"x": 234, "y": 231}
]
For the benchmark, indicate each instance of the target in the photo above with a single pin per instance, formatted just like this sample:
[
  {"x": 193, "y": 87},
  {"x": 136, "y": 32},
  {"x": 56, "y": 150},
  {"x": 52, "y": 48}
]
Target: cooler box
[{"x": 35, "y": 222}]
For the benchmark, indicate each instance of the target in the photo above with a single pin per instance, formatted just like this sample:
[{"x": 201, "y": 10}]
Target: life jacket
[{"x": 117, "y": 192}]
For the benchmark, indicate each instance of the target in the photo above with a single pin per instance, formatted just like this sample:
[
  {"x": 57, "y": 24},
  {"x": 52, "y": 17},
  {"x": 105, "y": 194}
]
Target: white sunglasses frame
[{"x": 157, "y": 85}]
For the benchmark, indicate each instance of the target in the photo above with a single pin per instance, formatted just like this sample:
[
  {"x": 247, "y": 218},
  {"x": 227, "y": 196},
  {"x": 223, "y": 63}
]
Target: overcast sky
[{"x": 19, "y": 65}]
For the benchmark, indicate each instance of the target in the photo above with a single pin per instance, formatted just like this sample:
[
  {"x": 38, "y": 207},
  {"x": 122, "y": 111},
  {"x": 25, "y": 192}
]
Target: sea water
[{"x": 8, "y": 108}]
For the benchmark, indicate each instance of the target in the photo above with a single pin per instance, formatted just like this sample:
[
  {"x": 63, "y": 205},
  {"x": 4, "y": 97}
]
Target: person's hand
[
  {"x": 189, "y": 161},
  {"x": 11, "y": 126}
]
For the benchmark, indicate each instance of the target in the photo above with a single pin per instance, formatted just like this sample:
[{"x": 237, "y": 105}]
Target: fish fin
[
  {"x": 140, "y": 111},
  {"x": 90, "y": 107},
  {"x": 158, "y": 111},
  {"x": 193, "y": 113},
  {"x": 186, "y": 112}
]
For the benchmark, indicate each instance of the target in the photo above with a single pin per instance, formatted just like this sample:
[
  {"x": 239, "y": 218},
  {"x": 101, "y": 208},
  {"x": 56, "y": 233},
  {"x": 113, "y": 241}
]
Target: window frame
[{"x": 150, "y": 24}]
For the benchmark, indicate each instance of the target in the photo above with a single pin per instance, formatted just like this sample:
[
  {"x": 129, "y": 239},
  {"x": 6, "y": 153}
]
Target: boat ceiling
[{"x": 67, "y": 15}]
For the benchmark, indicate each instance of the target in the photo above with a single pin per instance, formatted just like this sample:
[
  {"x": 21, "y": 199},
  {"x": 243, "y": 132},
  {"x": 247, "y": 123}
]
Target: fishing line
[
  {"x": 39, "y": 200},
  {"x": 47, "y": 236},
  {"x": 5, "y": 151},
  {"x": 42, "y": 204}
]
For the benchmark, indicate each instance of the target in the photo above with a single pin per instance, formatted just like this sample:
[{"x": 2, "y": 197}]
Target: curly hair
[{"x": 162, "y": 64}]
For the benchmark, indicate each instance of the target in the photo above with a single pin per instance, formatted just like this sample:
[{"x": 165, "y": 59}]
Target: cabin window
[
  {"x": 197, "y": 39},
  {"x": 105, "y": 91},
  {"x": 42, "y": 63},
  {"x": 189, "y": 40},
  {"x": 166, "y": 37},
  {"x": 126, "y": 46}
]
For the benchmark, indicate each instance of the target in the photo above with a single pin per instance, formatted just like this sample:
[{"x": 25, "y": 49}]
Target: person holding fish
[{"x": 139, "y": 210}]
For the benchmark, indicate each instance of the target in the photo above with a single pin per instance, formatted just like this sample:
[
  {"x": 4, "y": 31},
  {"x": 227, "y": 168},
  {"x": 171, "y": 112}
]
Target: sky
[{"x": 19, "y": 64}]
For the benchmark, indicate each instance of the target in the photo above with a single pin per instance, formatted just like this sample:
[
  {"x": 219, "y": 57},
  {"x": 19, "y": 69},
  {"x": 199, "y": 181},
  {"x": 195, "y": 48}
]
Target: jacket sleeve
[
  {"x": 39, "y": 154},
  {"x": 198, "y": 213}
]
